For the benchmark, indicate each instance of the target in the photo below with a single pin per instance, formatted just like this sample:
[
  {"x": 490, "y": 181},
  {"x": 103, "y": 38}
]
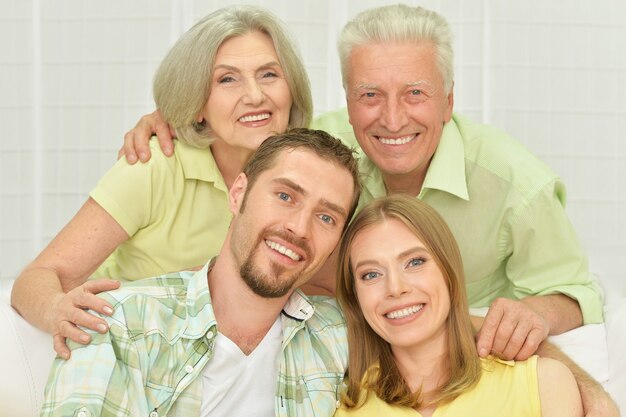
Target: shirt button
[
  {"x": 210, "y": 334},
  {"x": 81, "y": 414},
  {"x": 188, "y": 369},
  {"x": 338, "y": 404},
  {"x": 154, "y": 414}
]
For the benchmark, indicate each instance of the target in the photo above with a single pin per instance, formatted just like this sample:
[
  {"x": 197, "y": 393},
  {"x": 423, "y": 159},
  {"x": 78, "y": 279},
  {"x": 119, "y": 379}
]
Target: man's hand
[
  {"x": 511, "y": 330},
  {"x": 68, "y": 312},
  {"x": 136, "y": 141}
]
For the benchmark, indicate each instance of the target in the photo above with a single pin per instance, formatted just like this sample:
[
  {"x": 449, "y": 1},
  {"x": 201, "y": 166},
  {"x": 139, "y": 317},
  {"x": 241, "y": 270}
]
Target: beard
[
  {"x": 266, "y": 285},
  {"x": 272, "y": 283}
]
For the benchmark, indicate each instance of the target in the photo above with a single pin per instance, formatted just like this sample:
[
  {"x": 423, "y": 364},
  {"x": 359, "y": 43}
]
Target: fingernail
[
  {"x": 168, "y": 150},
  {"x": 142, "y": 156},
  {"x": 84, "y": 338},
  {"x": 108, "y": 310},
  {"x": 65, "y": 355},
  {"x": 482, "y": 352},
  {"x": 102, "y": 328}
]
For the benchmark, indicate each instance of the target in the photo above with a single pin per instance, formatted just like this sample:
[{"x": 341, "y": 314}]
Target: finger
[
  {"x": 164, "y": 136},
  {"x": 516, "y": 341},
  {"x": 487, "y": 332},
  {"x": 531, "y": 344},
  {"x": 69, "y": 331},
  {"x": 79, "y": 317},
  {"x": 60, "y": 347},
  {"x": 99, "y": 285},
  {"x": 504, "y": 332},
  {"x": 128, "y": 149}
]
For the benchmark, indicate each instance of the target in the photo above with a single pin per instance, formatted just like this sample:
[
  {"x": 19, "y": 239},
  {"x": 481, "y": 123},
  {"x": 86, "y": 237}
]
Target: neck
[
  {"x": 230, "y": 161},
  {"x": 241, "y": 315},
  {"x": 424, "y": 367},
  {"x": 407, "y": 183}
]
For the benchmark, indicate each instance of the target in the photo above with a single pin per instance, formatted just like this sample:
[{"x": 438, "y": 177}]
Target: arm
[
  {"x": 558, "y": 392},
  {"x": 51, "y": 292},
  {"x": 514, "y": 329},
  {"x": 595, "y": 400},
  {"x": 101, "y": 374},
  {"x": 136, "y": 141}
]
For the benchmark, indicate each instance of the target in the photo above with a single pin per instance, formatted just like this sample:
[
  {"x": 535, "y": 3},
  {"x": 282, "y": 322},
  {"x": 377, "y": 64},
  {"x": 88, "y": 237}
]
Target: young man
[{"x": 235, "y": 338}]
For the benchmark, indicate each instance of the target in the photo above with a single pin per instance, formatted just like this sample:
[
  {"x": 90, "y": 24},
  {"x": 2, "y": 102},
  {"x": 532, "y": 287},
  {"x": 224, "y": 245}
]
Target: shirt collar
[
  {"x": 200, "y": 315},
  {"x": 447, "y": 168},
  {"x": 199, "y": 164}
]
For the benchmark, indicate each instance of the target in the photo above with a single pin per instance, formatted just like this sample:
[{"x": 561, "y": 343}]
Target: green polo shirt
[
  {"x": 506, "y": 210},
  {"x": 175, "y": 210}
]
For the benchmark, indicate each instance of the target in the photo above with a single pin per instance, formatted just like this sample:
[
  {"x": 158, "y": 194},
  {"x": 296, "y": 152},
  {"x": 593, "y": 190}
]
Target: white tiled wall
[{"x": 75, "y": 75}]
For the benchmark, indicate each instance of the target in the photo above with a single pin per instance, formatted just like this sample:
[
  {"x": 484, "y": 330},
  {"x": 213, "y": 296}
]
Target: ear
[
  {"x": 449, "y": 104},
  {"x": 237, "y": 193}
]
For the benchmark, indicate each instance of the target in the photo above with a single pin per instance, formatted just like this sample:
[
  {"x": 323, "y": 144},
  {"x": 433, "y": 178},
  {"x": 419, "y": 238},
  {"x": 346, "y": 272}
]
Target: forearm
[
  {"x": 560, "y": 312},
  {"x": 34, "y": 294}
]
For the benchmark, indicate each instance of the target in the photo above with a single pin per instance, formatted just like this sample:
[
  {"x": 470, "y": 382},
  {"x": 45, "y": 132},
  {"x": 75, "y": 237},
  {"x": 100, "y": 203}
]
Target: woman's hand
[
  {"x": 137, "y": 140},
  {"x": 69, "y": 312}
]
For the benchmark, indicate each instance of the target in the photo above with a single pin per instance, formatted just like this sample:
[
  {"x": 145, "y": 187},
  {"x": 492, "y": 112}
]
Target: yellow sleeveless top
[{"x": 506, "y": 388}]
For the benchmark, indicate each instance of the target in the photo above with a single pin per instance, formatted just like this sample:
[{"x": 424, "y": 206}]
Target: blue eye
[
  {"x": 284, "y": 196},
  {"x": 416, "y": 92},
  {"x": 370, "y": 94},
  {"x": 416, "y": 262},
  {"x": 227, "y": 79},
  {"x": 269, "y": 74},
  {"x": 327, "y": 219},
  {"x": 370, "y": 275}
]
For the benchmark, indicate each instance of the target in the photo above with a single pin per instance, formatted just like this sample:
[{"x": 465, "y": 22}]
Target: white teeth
[
  {"x": 285, "y": 251},
  {"x": 255, "y": 117},
  {"x": 398, "y": 141},
  {"x": 405, "y": 312}
]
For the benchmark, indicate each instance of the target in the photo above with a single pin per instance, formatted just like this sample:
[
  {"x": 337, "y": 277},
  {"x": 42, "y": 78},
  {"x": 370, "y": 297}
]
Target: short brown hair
[
  {"x": 366, "y": 348},
  {"x": 319, "y": 142}
]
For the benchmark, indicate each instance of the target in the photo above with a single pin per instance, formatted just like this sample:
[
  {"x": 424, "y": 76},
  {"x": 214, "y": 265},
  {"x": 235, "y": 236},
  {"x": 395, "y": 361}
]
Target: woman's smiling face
[{"x": 400, "y": 288}]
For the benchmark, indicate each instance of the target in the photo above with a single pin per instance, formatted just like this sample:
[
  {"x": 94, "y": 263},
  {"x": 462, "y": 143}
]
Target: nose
[
  {"x": 299, "y": 223},
  {"x": 396, "y": 285},
  {"x": 393, "y": 116},
  {"x": 253, "y": 93}
]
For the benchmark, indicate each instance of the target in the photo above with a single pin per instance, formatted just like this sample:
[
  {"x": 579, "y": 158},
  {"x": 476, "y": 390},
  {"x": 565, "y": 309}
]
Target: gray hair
[
  {"x": 182, "y": 83},
  {"x": 399, "y": 23}
]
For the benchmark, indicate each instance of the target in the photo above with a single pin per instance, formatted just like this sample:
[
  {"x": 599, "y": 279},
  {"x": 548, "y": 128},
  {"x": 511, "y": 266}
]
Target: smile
[
  {"x": 254, "y": 117},
  {"x": 405, "y": 312},
  {"x": 397, "y": 141},
  {"x": 283, "y": 250}
]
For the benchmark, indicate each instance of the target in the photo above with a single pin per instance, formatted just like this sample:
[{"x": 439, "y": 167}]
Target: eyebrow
[
  {"x": 297, "y": 188},
  {"x": 414, "y": 249},
  {"x": 236, "y": 69}
]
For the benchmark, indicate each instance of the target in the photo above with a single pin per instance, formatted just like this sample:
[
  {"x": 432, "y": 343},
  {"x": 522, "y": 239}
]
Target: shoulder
[
  {"x": 327, "y": 313},
  {"x": 140, "y": 300},
  {"x": 492, "y": 152},
  {"x": 336, "y": 123},
  {"x": 558, "y": 390}
]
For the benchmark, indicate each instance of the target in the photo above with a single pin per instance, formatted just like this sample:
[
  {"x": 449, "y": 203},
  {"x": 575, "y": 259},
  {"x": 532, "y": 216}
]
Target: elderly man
[{"x": 236, "y": 337}]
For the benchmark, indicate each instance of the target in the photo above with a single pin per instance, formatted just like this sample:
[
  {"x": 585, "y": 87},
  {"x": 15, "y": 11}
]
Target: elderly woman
[
  {"x": 230, "y": 81},
  {"x": 411, "y": 343}
]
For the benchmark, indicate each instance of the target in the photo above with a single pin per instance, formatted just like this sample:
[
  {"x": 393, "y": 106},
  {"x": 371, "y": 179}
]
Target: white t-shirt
[{"x": 238, "y": 385}]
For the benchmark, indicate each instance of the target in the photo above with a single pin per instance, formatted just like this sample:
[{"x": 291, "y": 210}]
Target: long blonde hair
[
  {"x": 367, "y": 349},
  {"x": 182, "y": 83}
]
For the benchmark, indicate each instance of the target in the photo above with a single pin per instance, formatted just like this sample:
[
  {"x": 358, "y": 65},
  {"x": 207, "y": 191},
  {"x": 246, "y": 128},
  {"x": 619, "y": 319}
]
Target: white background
[{"x": 76, "y": 74}]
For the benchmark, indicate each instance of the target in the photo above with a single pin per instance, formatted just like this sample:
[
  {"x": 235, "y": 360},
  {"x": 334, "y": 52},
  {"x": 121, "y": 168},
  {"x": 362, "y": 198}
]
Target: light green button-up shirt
[
  {"x": 506, "y": 209},
  {"x": 161, "y": 336}
]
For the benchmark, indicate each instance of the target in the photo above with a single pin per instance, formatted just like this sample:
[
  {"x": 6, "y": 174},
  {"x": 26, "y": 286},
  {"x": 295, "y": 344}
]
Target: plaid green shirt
[{"x": 162, "y": 334}]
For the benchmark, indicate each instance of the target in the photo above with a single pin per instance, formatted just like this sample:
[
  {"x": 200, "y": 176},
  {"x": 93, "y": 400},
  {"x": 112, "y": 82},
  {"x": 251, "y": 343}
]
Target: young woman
[
  {"x": 232, "y": 80},
  {"x": 411, "y": 343}
]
